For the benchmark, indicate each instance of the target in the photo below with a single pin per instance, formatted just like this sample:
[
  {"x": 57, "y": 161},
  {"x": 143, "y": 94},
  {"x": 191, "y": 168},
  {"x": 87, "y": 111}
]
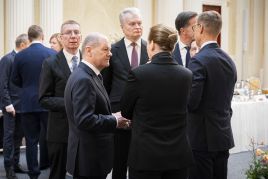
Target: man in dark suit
[
  {"x": 26, "y": 71},
  {"x": 90, "y": 141},
  {"x": 10, "y": 105},
  {"x": 54, "y": 75},
  {"x": 125, "y": 57},
  {"x": 184, "y": 22},
  {"x": 214, "y": 78}
]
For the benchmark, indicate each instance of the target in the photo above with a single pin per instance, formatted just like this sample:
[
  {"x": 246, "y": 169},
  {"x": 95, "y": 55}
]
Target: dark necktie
[
  {"x": 134, "y": 57},
  {"x": 100, "y": 78},
  {"x": 188, "y": 56},
  {"x": 74, "y": 62}
]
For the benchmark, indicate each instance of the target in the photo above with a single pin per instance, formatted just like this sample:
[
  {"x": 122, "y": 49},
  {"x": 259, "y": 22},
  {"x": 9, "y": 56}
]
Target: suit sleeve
[
  {"x": 15, "y": 77},
  {"x": 47, "y": 97},
  {"x": 130, "y": 96},
  {"x": 6, "y": 67},
  {"x": 199, "y": 77},
  {"x": 84, "y": 102}
]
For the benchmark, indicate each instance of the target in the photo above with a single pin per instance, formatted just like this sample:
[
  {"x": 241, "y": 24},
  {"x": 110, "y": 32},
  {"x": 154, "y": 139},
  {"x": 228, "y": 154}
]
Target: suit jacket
[
  {"x": 26, "y": 71},
  {"x": 9, "y": 93},
  {"x": 214, "y": 78},
  {"x": 176, "y": 54},
  {"x": 156, "y": 100},
  {"x": 90, "y": 142},
  {"x": 115, "y": 76},
  {"x": 54, "y": 75}
]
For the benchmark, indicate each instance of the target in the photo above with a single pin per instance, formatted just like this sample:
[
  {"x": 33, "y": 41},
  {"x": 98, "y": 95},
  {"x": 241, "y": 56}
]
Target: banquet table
[{"x": 249, "y": 121}]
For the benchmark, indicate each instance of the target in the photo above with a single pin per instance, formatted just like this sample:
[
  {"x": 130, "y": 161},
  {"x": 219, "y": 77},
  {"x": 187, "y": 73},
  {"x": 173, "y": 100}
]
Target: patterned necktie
[
  {"x": 134, "y": 56},
  {"x": 188, "y": 56},
  {"x": 74, "y": 62},
  {"x": 100, "y": 78}
]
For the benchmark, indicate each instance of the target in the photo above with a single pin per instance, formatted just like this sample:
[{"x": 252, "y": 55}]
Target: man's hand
[
  {"x": 11, "y": 109},
  {"x": 123, "y": 123}
]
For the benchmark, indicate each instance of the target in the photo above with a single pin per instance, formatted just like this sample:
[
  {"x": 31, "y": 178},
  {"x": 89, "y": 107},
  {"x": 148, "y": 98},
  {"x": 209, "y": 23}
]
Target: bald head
[
  {"x": 96, "y": 50},
  {"x": 92, "y": 40}
]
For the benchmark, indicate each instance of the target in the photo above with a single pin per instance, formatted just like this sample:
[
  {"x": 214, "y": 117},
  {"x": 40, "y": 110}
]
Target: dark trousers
[
  {"x": 121, "y": 148},
  {"x": 32, "y": 124},
  {"x": 12, "y": 139},
  {"x": 44, "y": 162},
  {"x": 209, "y": 165},
  {"x": 57, "y": 156},
  {"x": 169, "y": 174}
]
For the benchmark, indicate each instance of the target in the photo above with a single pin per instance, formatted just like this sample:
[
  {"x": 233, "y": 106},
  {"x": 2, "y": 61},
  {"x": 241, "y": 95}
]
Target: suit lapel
[
  {"x": 97, "y": 83},
  {"x": 102, "y": 89},
  {"x": 122, "y": 53},
  {"x": 177, "y": 54},
  {"x": 61, "y": 60}
]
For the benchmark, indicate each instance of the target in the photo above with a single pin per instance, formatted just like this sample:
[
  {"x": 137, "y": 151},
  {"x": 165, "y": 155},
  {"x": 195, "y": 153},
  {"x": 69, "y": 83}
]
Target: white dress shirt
[
  {"x": 183, "y": 52},
  {"x": 69, "y": 57}
]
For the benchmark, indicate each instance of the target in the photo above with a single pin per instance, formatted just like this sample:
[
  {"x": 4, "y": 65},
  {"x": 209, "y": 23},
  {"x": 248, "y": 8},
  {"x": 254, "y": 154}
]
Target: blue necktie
[
  {"x": 188, "y": 56},
  {"x": 74, "y": 63}
]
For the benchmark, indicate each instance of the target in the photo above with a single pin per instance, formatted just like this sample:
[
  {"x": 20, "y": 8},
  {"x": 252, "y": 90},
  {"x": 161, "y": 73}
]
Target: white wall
[{"x": 2, "y": 40}]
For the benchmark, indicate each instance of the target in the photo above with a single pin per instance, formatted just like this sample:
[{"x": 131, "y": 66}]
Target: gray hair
[
  {"x": 22, "y": 38},
  {"x": 211, "y": 21},
  {"x": 130, "y": 10},
  {"x": 93, "y": 40}
]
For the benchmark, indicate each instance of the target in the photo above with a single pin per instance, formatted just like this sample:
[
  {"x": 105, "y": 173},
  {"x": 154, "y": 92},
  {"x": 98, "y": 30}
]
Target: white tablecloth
[{"x": 250, "y": 120}]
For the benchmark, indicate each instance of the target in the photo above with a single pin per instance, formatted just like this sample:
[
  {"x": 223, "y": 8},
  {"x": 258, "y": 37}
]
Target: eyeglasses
[
  {"x": 72, "y": 32},
  {"x": 196, "y": 25}
]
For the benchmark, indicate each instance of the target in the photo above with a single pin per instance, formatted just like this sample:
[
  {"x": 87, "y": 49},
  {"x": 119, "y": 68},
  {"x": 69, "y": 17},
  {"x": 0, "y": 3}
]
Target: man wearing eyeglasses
[
  {"x": 54, "y": 75},
  {"x": 184, "y": 22},
  {"x": 209, "y": 123}
]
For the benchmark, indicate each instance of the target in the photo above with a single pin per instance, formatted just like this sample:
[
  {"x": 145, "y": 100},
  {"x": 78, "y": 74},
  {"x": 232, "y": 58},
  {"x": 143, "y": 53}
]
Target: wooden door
[{"x": 214, "y": 8}]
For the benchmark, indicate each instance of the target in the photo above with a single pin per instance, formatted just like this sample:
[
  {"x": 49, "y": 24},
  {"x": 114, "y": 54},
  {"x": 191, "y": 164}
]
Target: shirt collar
[
  {"x": 182, "y": 45},
  {"x": 36, "y": 42},
  {"x": 128, "y": 42},
  {"x": 208, "y": 42},
  {"x": 69, "y": 56},
  {"x": 96, "y": 71}
]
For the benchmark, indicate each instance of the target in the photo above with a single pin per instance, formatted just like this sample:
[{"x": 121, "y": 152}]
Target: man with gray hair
[
  {"x": 210, "y": 112},
  {"x": 10, "y": 105},
  {"x": 184, "y": 22},
  {"x": 91, "y": 123},
  {"x": 128, "y": 53}
]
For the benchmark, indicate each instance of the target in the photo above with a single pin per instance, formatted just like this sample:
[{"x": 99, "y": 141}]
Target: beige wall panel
[
  {"x": 96, "y": 15},
  {"x": 2, "y": 30}
]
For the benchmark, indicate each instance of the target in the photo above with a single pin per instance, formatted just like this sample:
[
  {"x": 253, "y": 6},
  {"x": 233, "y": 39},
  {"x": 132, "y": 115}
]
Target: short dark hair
[
  {"x": 182, "y": 20},
  {"x": 35, "y": 32},
  {"x": 22, "y": 38},
  {"x": 211, "y": 21}
]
